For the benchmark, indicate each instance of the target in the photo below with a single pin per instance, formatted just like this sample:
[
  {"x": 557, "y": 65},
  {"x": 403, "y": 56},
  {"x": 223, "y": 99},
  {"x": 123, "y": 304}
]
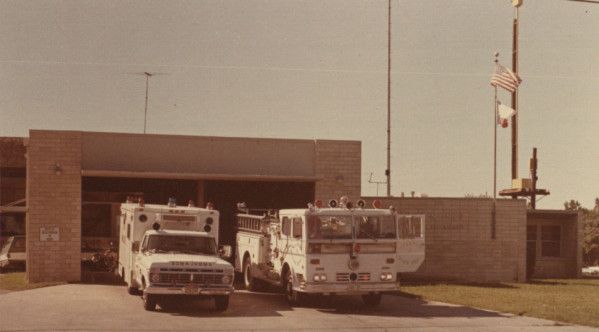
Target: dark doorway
[
  {"x": 258, "y": 195},
  {"x": 155, "y": 191}
]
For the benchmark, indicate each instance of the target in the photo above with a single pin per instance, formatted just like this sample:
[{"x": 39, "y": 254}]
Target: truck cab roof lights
[
  {"x": 333, "y": 203},
  {"x": 209, "y": 206},
  {"x": 318, "y": 203},
  {"x": 391, "y": 208},
  {"x": 190, "y": 203},
  {"x": 361, "y": 203},
  {"x": 376, "y": 204},
  {"x": 172, "y": 202},
  {"x": 156, "y": 226},
  {"x": 141, "y": 202}
]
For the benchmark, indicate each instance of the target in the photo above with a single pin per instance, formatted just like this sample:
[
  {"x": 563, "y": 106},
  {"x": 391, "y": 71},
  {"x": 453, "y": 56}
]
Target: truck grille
[
  {"x": 180, "y": 279},
  {"x": 344, "y": 276}
]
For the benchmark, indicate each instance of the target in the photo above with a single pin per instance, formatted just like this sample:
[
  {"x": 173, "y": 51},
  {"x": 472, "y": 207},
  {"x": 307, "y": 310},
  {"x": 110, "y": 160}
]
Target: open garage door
[{"x": 257, "y": 194}]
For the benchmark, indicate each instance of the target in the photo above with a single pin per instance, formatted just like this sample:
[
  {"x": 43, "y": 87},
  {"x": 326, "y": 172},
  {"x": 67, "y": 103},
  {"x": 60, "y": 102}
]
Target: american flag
[{"x": 505, "y": 78}]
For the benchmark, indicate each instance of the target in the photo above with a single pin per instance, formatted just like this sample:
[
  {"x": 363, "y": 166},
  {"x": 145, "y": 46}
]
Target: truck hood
[{"x": 185, "y": 261}]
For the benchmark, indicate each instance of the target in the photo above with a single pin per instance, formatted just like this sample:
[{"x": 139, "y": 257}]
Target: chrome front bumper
[
  {"x": 189, "y": 290},
  {"x": 348, "y": 288}
]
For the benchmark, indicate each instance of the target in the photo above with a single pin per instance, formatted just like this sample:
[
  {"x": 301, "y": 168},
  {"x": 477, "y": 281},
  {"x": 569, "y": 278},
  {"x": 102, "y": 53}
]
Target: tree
[{"x": 590, "y": 221}]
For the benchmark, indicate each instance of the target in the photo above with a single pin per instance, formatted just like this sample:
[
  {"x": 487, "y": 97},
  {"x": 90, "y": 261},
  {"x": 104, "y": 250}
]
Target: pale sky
[{"x": 317, "y": 69}]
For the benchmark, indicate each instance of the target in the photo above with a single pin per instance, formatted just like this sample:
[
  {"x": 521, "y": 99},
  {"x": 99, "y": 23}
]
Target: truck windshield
[
  {"x": 379, "y": 227},
  {"x": 181, "y": 244},
  {"x": 329, "y": 227}
]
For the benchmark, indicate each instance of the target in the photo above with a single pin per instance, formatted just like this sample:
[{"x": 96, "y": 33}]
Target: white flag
[{"x": 503, "y": 114}]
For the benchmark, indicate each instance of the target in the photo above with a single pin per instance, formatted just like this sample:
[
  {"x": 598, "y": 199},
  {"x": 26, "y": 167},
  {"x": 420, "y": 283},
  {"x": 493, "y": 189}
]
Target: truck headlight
[
  {"x": 319, "y": 277},
  {"x": 386, "y": 276}
]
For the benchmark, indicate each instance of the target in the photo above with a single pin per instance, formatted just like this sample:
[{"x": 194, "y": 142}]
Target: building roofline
[{"x": 124, "y": 134}]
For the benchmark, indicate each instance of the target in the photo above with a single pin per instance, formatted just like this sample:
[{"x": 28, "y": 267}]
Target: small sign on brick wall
[{"x": 49, "y": 234}]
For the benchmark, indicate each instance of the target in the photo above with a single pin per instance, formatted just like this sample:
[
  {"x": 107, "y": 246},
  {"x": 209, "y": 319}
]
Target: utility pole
[
  {"x": 148, "y": 75},
  {"x": 388, "y": 170},
  {"x": 516, "y": 4},
  {"x": 534, "y": 178}
]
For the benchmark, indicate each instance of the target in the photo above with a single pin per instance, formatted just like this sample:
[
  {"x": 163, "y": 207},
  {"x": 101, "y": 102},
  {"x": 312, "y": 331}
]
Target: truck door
[
  {"x": 410, "y": 243},
  {"x": 290, "y": 244}
]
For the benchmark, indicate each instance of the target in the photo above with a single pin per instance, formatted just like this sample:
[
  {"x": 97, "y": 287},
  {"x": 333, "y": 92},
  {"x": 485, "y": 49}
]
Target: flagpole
[
  {"x": 493, "y": 213},
  {"x": 495, "y": 147}
]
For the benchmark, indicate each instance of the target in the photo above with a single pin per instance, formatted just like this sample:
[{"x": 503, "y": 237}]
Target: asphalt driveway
[{"x": 109, "y": 308}]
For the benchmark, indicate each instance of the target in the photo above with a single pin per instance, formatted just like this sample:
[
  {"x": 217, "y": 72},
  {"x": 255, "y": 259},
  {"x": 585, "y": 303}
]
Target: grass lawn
[
  {"x": 15, "y": 281},
  {"x": 566, "y": 300}
]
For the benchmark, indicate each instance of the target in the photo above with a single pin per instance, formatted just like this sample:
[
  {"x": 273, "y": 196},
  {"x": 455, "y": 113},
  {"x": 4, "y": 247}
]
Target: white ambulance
[
  {"x": 338, "y": 250},
  {"x": 167, "y": 251}
]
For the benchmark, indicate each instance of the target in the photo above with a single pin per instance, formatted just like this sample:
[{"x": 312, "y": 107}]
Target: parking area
[{"x": 109, "y": 307}]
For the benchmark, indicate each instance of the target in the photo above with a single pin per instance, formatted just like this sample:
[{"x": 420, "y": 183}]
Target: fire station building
[{"x": 62, "y": 189}]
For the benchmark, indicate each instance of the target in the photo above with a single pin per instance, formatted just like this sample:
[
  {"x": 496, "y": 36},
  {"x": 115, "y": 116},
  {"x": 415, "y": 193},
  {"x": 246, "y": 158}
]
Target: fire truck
[
  {"x": 338, "y": 250},
  {"x": 168, "y": 251}
]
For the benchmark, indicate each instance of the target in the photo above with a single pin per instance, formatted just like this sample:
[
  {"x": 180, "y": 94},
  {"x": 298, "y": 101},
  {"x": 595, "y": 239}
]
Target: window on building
[
  {"x": 297, "y": 228},
  {"x": 286, "y": 226},
  {"x": 551, "y": 240}
]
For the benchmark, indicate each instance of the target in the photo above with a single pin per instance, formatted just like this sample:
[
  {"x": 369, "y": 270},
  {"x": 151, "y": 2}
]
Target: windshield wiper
[{"x": 193, "y": 252}]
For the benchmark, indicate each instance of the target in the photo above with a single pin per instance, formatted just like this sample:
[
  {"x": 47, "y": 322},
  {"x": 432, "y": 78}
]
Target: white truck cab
[
  {"x": 167, "y": 251},
  {"x": 338, "y": 250}
]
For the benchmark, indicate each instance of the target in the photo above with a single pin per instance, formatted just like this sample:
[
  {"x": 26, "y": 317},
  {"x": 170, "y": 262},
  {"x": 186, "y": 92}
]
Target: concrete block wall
[
  {"x": 459, "y": 243},
  {"x": 338, "y": 167},
  {"x": 54, "y": 201}
]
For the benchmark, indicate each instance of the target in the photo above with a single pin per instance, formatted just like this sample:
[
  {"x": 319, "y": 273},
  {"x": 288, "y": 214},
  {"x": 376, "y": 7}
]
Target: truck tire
[
  {"x": 149, "y": 302},
  {"x": 372, "y": 300},
  {"x": 249, "y": 281},
  {"x": 132, "y": 291},
  {"x": 221, "y": 302},
  {"x": 294, "y": 298}
]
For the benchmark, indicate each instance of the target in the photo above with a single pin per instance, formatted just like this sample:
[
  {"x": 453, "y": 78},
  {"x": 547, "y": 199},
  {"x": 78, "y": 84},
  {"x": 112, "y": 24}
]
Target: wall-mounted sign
[{"x": 49, "y": 234}]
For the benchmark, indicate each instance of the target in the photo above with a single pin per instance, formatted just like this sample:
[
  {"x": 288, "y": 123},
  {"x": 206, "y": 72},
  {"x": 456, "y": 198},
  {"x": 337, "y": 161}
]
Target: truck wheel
[
  {"x": 372, "y": 300},
  {"x": 149, "y": 302},
  {"x": 132, "y": 291},
  {"x": 293, "y": 298},
  {"x": 221, "y": 302},
  {"x": 249, "y": 281}
]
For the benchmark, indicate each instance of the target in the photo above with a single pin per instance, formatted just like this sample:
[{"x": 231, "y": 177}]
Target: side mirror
[
  {"x": 225, "y": 251},
  {"x": 135, "y": 246}
]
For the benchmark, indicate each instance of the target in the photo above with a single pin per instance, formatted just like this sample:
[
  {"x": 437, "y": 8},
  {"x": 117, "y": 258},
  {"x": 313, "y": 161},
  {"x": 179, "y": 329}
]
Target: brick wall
[
  {"x": 459, "y": 243},
  {"x": 54, "y": 202},
  {"x": 338, "y": 166}
]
